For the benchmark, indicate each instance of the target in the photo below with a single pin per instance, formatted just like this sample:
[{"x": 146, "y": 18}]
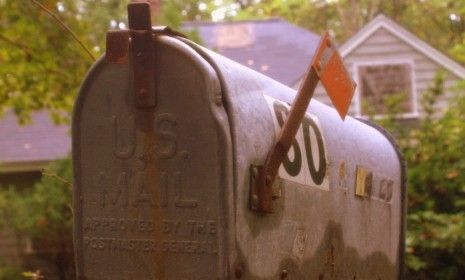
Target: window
[{"x": 386, "y": 86}]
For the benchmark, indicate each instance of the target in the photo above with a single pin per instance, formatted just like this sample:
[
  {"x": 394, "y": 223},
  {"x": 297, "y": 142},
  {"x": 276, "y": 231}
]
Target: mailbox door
[
  {"x": 340, "y": 207},
  {"x": 152, "y": 185}
]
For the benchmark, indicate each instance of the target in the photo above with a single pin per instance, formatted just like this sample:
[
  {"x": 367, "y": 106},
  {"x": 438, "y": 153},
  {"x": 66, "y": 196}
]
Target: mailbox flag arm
[{"x": 328, "y": 67}]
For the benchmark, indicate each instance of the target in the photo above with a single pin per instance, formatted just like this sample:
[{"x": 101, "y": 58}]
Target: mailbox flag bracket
[
  {"x": 140, "y": 37},
  {"x": 327, "y": 67},
  {"x": 140, "y": 30}
]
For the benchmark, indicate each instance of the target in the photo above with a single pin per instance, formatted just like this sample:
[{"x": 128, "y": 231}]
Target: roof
[
  {"x": 381, "y": 21},
  {"x": 273, "y": 47},
  {"x": 30, "y": 147}
]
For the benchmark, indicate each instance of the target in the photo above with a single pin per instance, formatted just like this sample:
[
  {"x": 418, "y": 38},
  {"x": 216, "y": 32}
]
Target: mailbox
[{"x": 165, "y": 141}]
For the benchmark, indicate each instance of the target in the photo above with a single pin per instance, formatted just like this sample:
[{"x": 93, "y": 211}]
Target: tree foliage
[
  {"x": 42, "y": 63},
  {"x": 43, "y": 211},
  {"x": 435, "y": 153},
  {"x": 439, "y": 22},
  {"x": 44, "y": 215}
]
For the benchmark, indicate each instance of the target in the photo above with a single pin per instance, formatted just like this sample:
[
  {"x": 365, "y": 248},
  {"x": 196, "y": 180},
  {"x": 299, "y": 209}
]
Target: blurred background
[{"x": 407, "y": 57}]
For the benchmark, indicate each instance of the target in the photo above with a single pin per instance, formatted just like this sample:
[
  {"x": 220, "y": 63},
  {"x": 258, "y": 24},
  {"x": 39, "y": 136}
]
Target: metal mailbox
[{"x": 163, "y": 177}]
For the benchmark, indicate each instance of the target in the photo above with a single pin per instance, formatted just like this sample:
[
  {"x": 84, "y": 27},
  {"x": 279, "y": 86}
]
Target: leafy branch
[{"x": 65, "y": 27}]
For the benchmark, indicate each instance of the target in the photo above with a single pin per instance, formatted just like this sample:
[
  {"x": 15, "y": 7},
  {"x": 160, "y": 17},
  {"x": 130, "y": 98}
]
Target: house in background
[
  {"x": 24, "y": 152},
  {"x": 383, "y": 58}
]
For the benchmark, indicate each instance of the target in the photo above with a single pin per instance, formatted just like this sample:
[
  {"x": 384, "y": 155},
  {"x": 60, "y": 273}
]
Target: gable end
[{"x": 398, "y": 31}]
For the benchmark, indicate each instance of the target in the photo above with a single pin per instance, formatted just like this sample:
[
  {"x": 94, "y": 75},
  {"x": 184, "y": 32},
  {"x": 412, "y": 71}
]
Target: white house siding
[{"x": 382, "y": 45}]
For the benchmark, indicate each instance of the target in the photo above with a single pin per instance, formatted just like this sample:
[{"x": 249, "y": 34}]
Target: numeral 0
[{"x": 293, "y": 167}]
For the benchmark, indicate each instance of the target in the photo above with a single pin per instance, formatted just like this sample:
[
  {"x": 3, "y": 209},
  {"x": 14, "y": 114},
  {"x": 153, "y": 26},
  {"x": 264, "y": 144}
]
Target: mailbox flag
[{"x": 332, "y": 73}]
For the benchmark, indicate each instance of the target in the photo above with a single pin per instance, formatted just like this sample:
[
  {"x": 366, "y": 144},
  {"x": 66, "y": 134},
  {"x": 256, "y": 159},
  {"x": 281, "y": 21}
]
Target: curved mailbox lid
[
  {"x": 347, "y": 225},
  {"x": 152, "y": 185}
]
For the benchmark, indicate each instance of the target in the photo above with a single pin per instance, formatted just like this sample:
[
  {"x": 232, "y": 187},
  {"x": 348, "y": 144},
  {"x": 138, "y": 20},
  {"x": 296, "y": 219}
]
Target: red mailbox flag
[
  {"x": 327, "y": 66},
  {"x": 332, "y": 73}
]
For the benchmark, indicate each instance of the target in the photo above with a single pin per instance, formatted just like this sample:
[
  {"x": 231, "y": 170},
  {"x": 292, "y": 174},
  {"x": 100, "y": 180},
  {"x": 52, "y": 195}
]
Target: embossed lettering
[
  {"x": 121, "y": 194},
  {"x": 106, "y": 225},
  {"x": 201, "y": 227},
  {"x": 181, "y": 200},
  {"x": 123, "y": 136},
  {"x": 143, "y": 195},
  {"x": 166, "y": 146},
  {"x": 189, "y": 246},
  {"x": 138, "y": 191},
  {"x": 163, "y": 189},
  {"x": 119, "y": 244},
  {"x": 170, "y": 227}
]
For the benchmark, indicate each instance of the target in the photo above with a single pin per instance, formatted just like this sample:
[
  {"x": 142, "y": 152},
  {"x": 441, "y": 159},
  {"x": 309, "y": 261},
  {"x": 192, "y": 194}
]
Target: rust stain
[{"x": 117, "y": 46}]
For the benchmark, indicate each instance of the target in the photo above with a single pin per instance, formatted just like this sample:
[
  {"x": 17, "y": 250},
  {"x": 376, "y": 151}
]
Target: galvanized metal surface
[
  {"x": 178, "y": 190},
  {"x": 315, "y": 233},
  {"x": 151, "y": 185}
]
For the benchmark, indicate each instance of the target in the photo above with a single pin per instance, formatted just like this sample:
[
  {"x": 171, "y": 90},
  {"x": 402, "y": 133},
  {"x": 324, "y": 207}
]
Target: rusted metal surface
[
  {"x": 142, "y": 51},
  {"x": 163, "y": 192},
  {"x": 117, "y": 46}
]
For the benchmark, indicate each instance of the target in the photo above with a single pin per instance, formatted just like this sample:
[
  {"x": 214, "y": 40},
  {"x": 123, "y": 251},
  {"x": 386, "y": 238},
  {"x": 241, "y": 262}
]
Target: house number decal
[{"x": 306, "y": 162}]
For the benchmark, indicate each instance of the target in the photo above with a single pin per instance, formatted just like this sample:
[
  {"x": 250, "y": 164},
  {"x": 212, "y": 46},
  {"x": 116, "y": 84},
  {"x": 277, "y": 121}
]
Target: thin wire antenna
[
  {"x": 55, "y": 176},
  {"x": 64, "y": 26}
]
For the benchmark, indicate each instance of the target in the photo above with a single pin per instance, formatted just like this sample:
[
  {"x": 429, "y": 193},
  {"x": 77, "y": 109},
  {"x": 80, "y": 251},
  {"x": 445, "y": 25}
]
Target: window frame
[{"x": 377, "y": 62}]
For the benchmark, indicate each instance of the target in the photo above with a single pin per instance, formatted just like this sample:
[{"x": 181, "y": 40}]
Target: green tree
[
  {"x": 47, "y": 46},
  {"x": 439, "y": 22},
  {"x": 42, "y": 64},
  {"x": 435, "y": 155},
  {"x": 43, "y": 214}
]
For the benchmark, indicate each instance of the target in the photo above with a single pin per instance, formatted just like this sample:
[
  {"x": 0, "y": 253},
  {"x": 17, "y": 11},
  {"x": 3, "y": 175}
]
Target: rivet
[
  {"x": 218, "y": 100},
  {"x": 284, "y": 274}
]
